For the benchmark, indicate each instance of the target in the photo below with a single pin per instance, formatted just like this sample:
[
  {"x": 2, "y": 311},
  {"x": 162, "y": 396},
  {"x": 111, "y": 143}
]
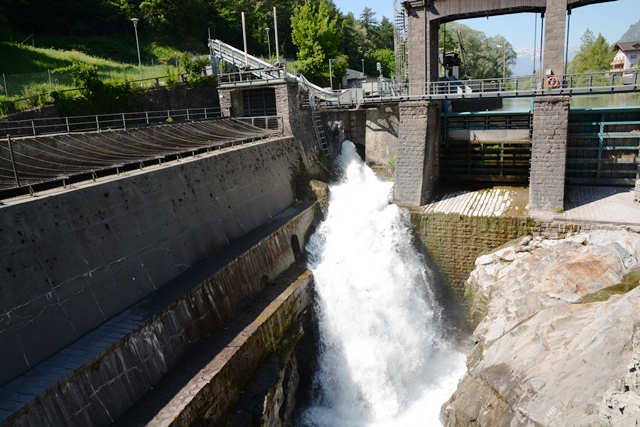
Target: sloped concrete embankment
[
  {"x": 172, "y": 321},
  {"x": 72, "y": 259},
  {"x": 558, "y": 342}
]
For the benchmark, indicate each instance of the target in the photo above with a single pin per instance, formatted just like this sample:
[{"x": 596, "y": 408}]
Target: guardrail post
[
  {"x": 205, "y": 112},
  {"x": 97, "y": 124},
  {"x": 146, "y": 115},
  {"x": 124, "y": 122},
  {"x": 33, "y": 126},
  {"x": 13, "y": 162},
  {"x": 187, "y": 114}
]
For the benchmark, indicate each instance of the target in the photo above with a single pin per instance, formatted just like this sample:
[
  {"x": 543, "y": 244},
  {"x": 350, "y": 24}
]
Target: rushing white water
[{"x": 383, "y": 359}]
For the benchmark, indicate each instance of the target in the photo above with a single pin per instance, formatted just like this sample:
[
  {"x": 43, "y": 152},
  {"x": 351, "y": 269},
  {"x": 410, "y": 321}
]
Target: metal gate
[
  {"x": 604, "y": 146},
  {"x": 259, "y": 102},
  {"x": 482, "y": 147}
]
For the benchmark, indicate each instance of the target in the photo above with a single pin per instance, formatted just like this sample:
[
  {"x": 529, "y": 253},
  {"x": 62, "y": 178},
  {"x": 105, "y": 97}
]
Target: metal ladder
[{"x": 318, "y": 127}]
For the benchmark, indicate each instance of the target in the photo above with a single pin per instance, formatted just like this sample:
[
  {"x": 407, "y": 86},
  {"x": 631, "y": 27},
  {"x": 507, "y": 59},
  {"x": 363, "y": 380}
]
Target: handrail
[{"x": 102, "y": 122}]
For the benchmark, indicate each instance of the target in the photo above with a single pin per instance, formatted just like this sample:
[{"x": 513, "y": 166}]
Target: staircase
[{"x": 318, "y": 128}]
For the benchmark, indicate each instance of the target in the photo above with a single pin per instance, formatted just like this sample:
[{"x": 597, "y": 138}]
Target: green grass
[{"x": 36, "y": 69}]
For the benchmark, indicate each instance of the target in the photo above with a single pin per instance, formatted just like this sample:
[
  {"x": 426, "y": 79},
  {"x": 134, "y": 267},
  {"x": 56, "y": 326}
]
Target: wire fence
[
  {"x": 30, "y": 84},
  {"x": 33, "y": 164}
]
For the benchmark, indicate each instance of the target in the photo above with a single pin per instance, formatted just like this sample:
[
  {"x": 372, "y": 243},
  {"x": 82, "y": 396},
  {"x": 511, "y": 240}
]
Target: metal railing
[
  {"x": 271, "y": 123},
  {"x": 48, "y": 126},
  {"x": 511, "y": 87}
]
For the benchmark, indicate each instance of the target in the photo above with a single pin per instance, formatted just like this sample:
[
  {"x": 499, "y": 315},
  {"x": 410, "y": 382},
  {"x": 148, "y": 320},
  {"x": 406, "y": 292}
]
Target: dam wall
[
  {"x": 455, "y": 241},
  {"x": 173, "y": 321},
  {"x": 71, "y": 259}
]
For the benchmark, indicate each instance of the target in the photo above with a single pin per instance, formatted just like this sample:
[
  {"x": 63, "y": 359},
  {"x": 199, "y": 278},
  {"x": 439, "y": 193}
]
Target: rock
[{"x": 544, "y": 355}]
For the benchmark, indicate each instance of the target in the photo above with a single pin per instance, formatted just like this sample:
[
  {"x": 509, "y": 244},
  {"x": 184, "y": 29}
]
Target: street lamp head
[
  {"x": 135, "y": 21},
  {"x": 267, "y": 29}
]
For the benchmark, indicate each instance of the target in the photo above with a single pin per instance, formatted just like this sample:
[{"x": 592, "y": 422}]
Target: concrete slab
[{"x": 600, "y": 205}]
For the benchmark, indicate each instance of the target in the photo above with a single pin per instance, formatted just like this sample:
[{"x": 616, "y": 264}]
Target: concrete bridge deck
[{"x": 601, "y": 205}]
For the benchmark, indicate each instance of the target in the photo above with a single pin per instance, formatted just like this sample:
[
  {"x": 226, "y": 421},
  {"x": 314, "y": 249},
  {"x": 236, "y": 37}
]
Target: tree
[
  {"x": 315, "y": 35},
  {"x": 595, "y": 54},
  {"x": 483, "y": 58}
]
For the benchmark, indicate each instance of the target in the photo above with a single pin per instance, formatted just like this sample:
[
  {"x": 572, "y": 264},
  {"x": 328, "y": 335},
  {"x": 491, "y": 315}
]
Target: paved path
[{"x": 606, "y": 205}]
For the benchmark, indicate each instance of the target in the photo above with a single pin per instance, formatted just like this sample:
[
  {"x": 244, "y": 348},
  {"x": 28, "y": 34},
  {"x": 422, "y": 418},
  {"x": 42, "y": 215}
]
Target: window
[{"x": 633, "y": 56}]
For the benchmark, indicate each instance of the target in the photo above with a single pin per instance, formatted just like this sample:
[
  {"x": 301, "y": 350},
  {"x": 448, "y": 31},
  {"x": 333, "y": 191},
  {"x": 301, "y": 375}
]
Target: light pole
[
  {"x": 269, "y": 42},
  {"x": 504, "y": 60},
  {"x": 135, "y": 28},
  {"x": 330, "y": 73},
  {"x": 363, "y": 66}
]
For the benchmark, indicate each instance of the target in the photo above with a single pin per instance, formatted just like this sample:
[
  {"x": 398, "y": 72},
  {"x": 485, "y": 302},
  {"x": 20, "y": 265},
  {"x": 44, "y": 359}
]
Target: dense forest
[{"x": 187, "y": 23}]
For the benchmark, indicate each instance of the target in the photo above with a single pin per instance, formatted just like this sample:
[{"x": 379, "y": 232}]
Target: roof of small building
[{"x": 626, "y": 46}]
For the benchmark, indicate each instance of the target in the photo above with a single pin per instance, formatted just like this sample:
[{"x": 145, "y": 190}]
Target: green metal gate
[{"x": 604, "y": 146}]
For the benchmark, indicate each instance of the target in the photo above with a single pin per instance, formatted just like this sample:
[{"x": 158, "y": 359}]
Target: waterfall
[{"x": 384, "y": 357}]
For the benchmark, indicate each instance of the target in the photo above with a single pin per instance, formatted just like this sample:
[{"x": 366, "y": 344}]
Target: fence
[{"x": 28, "y": 165}]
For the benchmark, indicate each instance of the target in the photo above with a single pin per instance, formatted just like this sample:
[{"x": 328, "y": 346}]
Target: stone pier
[
  {"x": 548, "y": 153},
  {"x": 417, "y": 167}
]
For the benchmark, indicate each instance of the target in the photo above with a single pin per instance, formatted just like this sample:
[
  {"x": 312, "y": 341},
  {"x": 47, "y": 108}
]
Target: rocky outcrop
[{"x": 558, "y": 338}]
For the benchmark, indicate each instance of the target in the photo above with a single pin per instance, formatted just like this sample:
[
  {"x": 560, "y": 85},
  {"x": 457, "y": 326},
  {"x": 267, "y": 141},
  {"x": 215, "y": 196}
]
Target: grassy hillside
[{"x": 31, "y": 69}]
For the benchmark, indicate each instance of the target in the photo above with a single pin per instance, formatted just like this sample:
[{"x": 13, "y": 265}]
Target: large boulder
[{"x": 558, "y": 339}]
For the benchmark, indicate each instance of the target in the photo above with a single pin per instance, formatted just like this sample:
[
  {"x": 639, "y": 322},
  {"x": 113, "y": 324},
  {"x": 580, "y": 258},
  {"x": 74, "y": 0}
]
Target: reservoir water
[{"x": 385, "y": 356}]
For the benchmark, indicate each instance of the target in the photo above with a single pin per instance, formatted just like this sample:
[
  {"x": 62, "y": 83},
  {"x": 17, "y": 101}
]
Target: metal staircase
[
  {"x": 318, "y": 128},
  {"x": 265, "y": 70}
]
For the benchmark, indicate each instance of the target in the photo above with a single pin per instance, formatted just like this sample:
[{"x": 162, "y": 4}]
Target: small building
[{"x": 626, "y": 57}]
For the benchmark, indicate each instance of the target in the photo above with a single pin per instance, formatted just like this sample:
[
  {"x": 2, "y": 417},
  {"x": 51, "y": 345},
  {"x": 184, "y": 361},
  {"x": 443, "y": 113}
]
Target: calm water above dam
[
  {"x": 580, "y": 101},
  {"x": 385, "y": 358}
]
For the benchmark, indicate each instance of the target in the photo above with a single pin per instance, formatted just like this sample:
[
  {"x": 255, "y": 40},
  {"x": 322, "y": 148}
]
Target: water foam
[{"x": 383, "y": 359}]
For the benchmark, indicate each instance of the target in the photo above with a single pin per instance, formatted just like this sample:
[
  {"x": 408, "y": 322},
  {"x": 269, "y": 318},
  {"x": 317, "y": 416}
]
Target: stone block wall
[
  {"x": 548, "y": 153},
  {"x": 554, "y": 36},
  {"x": 298, "y": 122},
  {"x": 417, "y": 165}
]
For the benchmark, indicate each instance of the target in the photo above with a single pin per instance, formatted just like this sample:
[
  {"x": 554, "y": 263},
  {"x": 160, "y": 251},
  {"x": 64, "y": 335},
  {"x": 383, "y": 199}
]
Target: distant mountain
[
  {"x": 632, "y": 34},
  {"x": 524, "y": 64}
]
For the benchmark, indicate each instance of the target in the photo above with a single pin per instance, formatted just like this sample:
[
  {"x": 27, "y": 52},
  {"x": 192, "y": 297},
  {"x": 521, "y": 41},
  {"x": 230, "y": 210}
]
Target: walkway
[{"x": 604, "y": 205}]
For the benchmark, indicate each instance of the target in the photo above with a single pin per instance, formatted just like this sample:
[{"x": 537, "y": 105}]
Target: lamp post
[
  {"x": 269, "y": 42},
  {"x": 362, "y": 66},
  {"x": 135, "y": 28},
  {"x": 330, "y": 73},
  {"x": 504, "y": 60}
]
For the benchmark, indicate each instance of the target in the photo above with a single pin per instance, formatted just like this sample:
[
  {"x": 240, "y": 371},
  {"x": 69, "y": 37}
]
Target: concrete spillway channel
[{"x": 191, "y": 347}]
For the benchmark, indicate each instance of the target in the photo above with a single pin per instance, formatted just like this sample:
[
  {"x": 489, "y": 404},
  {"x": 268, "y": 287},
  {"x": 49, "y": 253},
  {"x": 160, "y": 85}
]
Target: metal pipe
[
  {"x": 566, "y": 47},
  {"x": 13, "y": 162},
  {"x": 244, "y": 38},
  {"x": 275, "y": 30}
]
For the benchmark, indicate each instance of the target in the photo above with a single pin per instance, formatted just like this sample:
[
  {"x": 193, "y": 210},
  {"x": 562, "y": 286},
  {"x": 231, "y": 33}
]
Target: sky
[{"x": 612, "y": 19}]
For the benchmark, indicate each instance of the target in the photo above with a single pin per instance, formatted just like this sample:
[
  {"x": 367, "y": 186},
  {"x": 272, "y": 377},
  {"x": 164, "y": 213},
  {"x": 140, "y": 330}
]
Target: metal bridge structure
[{"x": 255, "y": 71}]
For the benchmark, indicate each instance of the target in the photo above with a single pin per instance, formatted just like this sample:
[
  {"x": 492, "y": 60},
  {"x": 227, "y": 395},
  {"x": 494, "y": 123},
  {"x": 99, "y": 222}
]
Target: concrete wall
[
  {"x": 548, "y": 153},
  {"x": 102, "y": 389},
  {"x": 455, "y": 241},
  {"x": 71, "y": 260},
  {"x": 417, "y": 166},
  {"x": 382, "y": 134}
]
